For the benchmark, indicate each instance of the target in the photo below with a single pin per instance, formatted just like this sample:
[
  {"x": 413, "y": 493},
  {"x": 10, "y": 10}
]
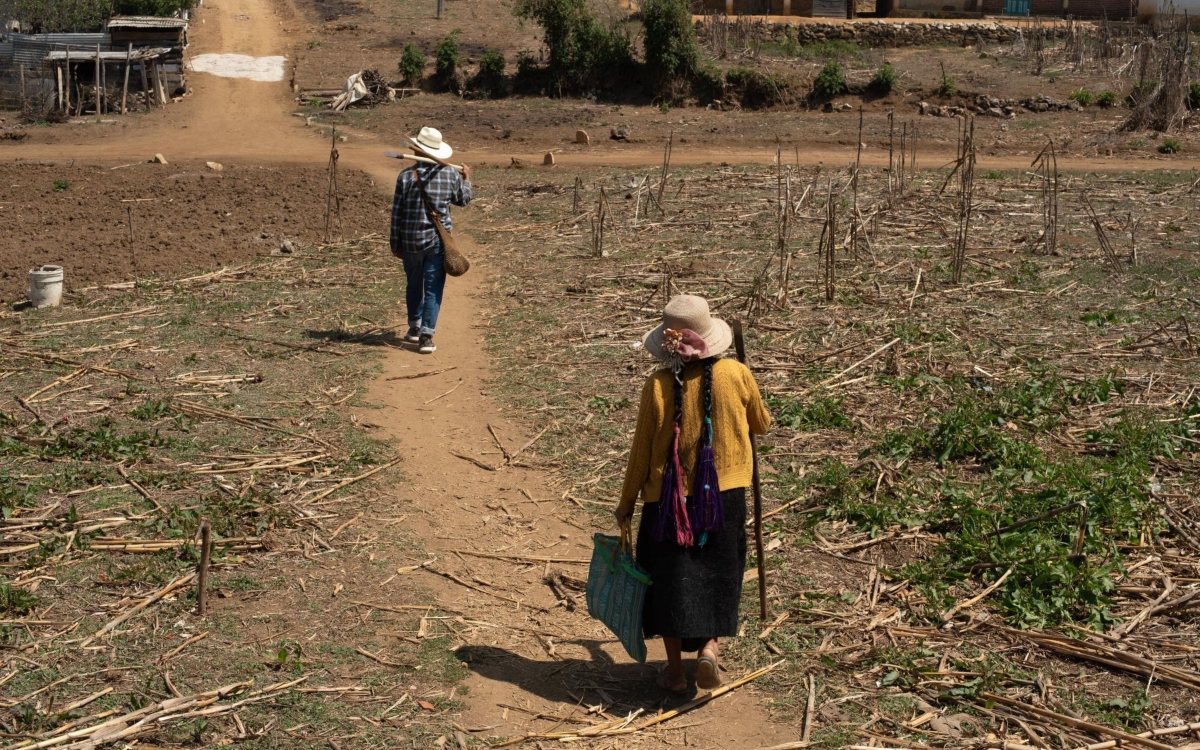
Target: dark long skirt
[{"x": 696, "y": 590}]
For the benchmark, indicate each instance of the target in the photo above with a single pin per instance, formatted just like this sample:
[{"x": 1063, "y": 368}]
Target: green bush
[
  {"x": 42, "y": 17},
  {"x": 61, "y": 185},
  {"x": 447, "y": 60},
  {"x": 1170, "y": 146},
  {"x": 1082, "y": 96},
  {"x": 1106, "y": 99},
  {"x": 1194, "y": 95},
  {"x": 582, "y": 55},
  {"x": 884, "y": 79},
  {"x": 708, "y": 84},
  {"x": 150, "y": 7},
  {"x": 490, "y": 78},
  {"x": 669, "y": 40},
  {"x": 411, "y": 65},
  {"x": 830, "y": 81},
  {"x": 945, "y": 85},
  {"x": 755, "y": 89}
]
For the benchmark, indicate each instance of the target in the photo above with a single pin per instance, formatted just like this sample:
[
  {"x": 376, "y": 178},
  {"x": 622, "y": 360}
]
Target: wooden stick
[
  {"x": 860, "y": 362},
  {"x": 141, "y": 490},
  {"x": 352, "y": 480},
  {"x": 422, "y": 159},
  {"x": 739, "y": 343},
  {"x": 975, "y": 600},
  {"x": 156, "y": 596},
  {"x": 522, "y": 558},
  {"x": 175, "y": 651},
  {"x": 1131, "y": 739},
  {"x": 202, "y": 573}
]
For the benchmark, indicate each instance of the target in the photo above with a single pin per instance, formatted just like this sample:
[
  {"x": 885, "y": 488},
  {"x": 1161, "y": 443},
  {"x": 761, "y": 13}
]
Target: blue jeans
[{"x": 426, "y": 280}]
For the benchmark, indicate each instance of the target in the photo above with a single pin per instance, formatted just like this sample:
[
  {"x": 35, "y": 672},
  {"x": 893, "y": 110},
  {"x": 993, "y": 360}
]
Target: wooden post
[
  {"x": 440, "y": 3},
  {"x": 58, "y": 91},
  {"x": 24, "y": 103},
  {"x": 125, "y": 86},
  {"x": 158, "y": 87},
  {"x": 739, "y": 345},
  {"x": 67, "y": 85},
  {"x": 202, "y": 576},
  {"x": 96, "y": 76},
  {"x": 145, "y": 83}
]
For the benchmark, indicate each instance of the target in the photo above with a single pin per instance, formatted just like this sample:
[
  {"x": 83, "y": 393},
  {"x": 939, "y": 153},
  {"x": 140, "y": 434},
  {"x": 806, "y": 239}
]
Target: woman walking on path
[{"x": 691, "y": 463}]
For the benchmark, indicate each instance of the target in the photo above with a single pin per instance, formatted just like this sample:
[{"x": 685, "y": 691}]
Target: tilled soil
[{"x": 184, "y": 217}]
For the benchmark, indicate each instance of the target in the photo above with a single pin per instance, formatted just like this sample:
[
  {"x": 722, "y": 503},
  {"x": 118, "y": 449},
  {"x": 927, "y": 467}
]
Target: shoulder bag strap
[{"x": 434, "y": 216}]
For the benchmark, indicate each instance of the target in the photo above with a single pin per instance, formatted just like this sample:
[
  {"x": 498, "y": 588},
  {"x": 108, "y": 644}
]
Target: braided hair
[{"x": 703, "y": 511}]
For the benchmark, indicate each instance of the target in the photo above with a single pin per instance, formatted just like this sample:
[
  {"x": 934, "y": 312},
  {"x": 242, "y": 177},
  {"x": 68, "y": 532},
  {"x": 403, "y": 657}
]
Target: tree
[
  {"x": 53, "y": 16},
  {"x": 581, "y": 53},
  {"x": 670, "y": 40}
]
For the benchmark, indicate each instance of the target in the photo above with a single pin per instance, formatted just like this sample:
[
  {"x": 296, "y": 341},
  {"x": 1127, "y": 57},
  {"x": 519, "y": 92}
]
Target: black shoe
[
  {"x": 427, "y": 345},
  {"x": 413, "y": 335}
]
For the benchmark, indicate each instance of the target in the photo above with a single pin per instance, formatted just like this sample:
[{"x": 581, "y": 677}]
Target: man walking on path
[{"x": 415, "y": 240}]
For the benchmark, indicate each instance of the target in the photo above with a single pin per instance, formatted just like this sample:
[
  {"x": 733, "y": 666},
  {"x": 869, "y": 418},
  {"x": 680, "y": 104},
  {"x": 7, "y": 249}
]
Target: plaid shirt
[{"x": 412, "y": 229}]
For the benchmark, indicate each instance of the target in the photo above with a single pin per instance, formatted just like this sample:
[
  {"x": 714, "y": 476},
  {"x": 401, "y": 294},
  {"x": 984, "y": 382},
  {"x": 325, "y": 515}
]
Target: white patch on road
[{"x": 240, "y": 66}]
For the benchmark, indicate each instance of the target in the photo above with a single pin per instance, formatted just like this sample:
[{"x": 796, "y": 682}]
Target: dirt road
[{"x": 540, "y": 659}]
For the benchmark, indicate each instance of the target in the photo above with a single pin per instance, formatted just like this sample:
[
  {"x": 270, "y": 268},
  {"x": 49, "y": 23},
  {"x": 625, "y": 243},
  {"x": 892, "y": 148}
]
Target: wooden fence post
[
  {"x": 99, "y": 68},
  {"x": 125, "y": 86}
]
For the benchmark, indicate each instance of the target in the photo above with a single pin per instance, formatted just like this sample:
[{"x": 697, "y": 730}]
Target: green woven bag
[{"x": 616, "y": 590}]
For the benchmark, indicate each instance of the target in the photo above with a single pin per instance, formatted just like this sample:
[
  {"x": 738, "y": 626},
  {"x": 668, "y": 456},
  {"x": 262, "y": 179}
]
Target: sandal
[
  {"x": 708, "y": 673},
  {"x": 678, "y": 687}
]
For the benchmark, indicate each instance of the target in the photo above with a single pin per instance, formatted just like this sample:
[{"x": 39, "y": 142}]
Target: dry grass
[
  {"x": 137, "y": 412},
  {"x": 1037, "y": 383}
]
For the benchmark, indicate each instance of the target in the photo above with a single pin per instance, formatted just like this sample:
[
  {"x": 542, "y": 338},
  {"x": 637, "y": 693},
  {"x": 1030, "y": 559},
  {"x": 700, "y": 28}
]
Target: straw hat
[
  {"x": 688, "y": 312},
  {"x": 429, "y": 140}
]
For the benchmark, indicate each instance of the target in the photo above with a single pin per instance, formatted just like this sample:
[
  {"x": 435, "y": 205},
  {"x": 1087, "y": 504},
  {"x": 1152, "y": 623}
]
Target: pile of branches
[{"x": 378, "y": 90}]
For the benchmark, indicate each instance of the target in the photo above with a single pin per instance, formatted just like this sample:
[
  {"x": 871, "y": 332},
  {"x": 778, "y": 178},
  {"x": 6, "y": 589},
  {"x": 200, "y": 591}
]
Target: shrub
[
  {"x": 411, "y": 65},
  {"x": 669, "y": 39},
  {"x": 708, "y": 85},
  {"x": 150, "y": 7},
  {"x": 490, "y": 78},
  {"x": 755, "y": 89},
  {"x": 1106, "y": 99},
  {"x": 581, "y": 54},
  {"x": 447, "y": 60},
  {"x": 945, "y": 86},
  {"x": 830, "y": 81},
  {"x": 1194, "y": 95},
  {"x": 61, "y": 185},
  {"x": 1170, "y": 146},
  {"x": 1082, "y": 96},
  {"x": 884, "y": 79}
]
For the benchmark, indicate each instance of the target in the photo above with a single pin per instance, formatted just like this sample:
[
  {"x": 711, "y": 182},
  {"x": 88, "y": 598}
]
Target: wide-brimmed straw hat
[
  {"x": 688, "y": 312},
  {"x": 429, "y": 140}
]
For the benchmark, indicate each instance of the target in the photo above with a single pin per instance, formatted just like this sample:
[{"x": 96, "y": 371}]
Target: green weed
[
  {"x": 822, "y": 412},
  {"x": 1082, "y": 96},
  {"x": 830, "y": 82}
]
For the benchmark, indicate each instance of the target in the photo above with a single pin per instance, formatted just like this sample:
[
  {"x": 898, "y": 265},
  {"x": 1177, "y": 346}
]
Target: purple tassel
[
  {"x": 706, "y": 490},
  {"x": 673, "y": 505}
]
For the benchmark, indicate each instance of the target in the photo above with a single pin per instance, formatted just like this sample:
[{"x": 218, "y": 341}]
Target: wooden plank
[
  {"x": 145, "y": 84},
  {"x": 67, "y": 87},
  {"x": 58, "y": 102},
  {"x": 125, "y": 86},
  {"x": 96, "y": 80}
]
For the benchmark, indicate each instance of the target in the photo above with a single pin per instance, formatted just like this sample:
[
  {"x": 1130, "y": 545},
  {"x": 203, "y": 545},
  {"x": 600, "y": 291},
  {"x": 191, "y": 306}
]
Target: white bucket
[{"x": 46, "y": 286}]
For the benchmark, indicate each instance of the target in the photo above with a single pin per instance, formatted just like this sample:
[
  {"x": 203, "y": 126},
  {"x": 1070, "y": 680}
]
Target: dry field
[{"x": 979, "y": 495}]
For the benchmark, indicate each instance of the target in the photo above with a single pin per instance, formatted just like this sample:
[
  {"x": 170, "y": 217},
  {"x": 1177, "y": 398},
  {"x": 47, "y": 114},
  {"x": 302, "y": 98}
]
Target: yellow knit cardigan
[{"x": 737, "y": 411}]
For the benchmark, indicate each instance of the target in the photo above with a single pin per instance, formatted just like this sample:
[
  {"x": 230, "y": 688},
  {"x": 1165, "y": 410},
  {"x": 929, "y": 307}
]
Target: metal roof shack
[{"x": 149, "y": 31}]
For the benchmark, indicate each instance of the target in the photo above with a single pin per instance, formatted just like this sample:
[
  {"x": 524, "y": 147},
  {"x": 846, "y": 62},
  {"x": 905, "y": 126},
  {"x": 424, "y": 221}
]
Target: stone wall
[{"x": 885, "y": 34}]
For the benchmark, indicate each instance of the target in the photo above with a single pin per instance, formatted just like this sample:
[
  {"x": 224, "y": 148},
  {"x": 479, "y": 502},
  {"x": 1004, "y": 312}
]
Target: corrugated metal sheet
[
  {"x": 31, "y": 49},
  {"x": 6, "y": 52},
  {"x": 146, "y": 22}
]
